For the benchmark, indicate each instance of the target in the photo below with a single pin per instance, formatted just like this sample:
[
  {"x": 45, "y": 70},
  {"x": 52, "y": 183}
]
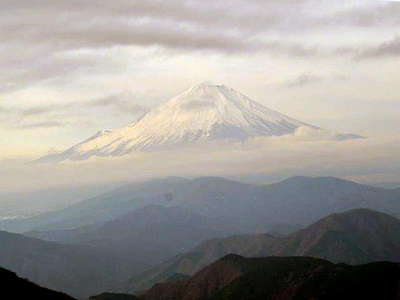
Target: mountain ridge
[
  {"x": 298, "y": 200},
  {"x": 285, "y": 278},
  {"x": 355, "y": 237}
]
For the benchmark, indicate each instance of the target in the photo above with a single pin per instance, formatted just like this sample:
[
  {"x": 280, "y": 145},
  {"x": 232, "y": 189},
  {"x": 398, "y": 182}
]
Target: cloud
[
  {"x": 371, "y": 14},
  {"x": 40, "y": 125},
  {"x": 387, "y": 49},
  {"x": 124, "y": 102},
  {"x": 279, "y": 158},
  {"x": 318, "y": 134},
  {"x": 173, "y": 24},
  {"x": 303, "y": 80},
  {"x": 4, "y": 110},
  {"x": 34, "y": 111},
  {"x": 36, "y": 30},
  {"x": 308, "y": 78},
  {"x": 54, "y": 26}
]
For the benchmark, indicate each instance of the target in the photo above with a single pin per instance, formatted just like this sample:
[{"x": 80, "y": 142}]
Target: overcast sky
[{"x": 69, "y": 68}]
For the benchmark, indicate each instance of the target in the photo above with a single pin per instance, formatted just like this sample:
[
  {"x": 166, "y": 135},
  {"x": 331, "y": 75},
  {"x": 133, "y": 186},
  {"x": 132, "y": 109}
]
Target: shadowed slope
[
  {"x": 13, "y": 287},
  {"x": 284, "y": 278},
  {"x": 77, "y": 270}
]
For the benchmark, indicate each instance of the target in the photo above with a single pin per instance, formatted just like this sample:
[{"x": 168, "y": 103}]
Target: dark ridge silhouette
[
  {"x": 111, "y": 296},
  {"x": 13, "y": 287}
]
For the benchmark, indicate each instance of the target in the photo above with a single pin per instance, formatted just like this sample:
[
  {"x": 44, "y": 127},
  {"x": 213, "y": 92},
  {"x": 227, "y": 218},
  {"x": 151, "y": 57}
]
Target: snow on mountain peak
[
  {"x": 205, "y": 84},
  {"x": 203, "y": 113}
]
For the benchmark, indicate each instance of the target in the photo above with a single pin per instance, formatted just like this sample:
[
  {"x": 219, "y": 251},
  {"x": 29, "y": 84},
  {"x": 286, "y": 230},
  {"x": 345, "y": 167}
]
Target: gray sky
[{"x": 69, "y": 68}]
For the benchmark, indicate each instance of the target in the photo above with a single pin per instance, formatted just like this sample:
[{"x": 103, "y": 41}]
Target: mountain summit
[{"x": 204, "y": 113}]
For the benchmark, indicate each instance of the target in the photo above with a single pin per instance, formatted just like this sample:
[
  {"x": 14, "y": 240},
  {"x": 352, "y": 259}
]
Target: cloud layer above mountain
[{"x": 367, "y": 160}]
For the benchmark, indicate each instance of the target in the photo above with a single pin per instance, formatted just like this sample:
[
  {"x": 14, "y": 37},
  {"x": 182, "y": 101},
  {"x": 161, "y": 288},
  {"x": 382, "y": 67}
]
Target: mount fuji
[{"x": 204, "y": 113}]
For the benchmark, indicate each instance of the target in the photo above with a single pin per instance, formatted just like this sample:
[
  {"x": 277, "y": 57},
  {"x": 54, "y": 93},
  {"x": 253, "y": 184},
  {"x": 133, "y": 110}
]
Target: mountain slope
[
  {"x": 13, "y": 287},
  {"x": 61, "y": 267},
  {"x": 201, "y": 285},
  {"x": 201, "y": 256},
  {"x": 145, "y": 237},
  {"x": 357, "y": 236},
  {"x": 235, "y": 277},
  {"x": 202, "y": 114}
]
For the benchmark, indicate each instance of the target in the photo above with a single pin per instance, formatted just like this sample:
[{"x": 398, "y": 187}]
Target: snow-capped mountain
[{"x": 204, "y": 113}]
